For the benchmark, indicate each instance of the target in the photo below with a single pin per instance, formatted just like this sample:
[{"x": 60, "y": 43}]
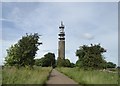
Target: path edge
[{"x": 45, "y": 84}]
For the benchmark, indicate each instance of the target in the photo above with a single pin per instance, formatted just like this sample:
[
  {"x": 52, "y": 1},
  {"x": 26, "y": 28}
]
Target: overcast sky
[{"x": 85, "y": 23}]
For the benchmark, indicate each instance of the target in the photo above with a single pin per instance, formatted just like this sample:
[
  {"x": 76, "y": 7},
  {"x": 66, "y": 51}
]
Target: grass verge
[
  {"x": 90, "y": 76},
  {"x": 38, "y": 75}
]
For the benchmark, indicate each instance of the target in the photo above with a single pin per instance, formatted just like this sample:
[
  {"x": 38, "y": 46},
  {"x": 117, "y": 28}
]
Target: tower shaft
[
  {"x": 61, "y": 42},
  {"x": 61, "y": 49}
]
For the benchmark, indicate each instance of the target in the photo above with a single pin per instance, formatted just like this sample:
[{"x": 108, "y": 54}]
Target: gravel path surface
[{"x": 56, "y": 78}]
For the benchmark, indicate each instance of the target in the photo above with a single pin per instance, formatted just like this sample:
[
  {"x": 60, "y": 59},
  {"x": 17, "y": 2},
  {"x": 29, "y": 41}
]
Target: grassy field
[
  {"x": 91, "y": 76},
  {"x": 0, "y": 75},
  {"x": 119, "y": 77},
  {"x": 38, "y": 75}
]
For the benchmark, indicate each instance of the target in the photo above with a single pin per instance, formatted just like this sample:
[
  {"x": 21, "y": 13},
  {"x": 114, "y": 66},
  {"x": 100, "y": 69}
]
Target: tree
[
  {"x": 46, "y": 61},
  {"x": 23, "y": 52},
  {"x": 72, "y": 65},
  {"x": 90, "y": 56},
  {"x": 79, "y": 63},
  {"x": 111, "y": 65},
  {"x": 64, "y": 63},
  {"x": 61, "y": 62},
  {"x": 39, "y": 62},
  {"x": 67, "y": 63},
  {"x": 49, "y": 59},
  {"x": 13, "y": 56}
]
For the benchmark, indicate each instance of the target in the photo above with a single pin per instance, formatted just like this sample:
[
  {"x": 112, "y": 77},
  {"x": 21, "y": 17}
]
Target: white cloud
[
  {"x": 88, "y": 36},
  {"x": 8, "y": 20}
]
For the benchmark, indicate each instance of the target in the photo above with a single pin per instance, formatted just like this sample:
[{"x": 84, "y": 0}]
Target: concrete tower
[{"x": 61, "y": 43}]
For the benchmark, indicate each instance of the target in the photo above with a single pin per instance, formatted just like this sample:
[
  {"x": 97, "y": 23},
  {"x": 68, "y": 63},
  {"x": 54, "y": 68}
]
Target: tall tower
[{"x": 61, "y": 43}]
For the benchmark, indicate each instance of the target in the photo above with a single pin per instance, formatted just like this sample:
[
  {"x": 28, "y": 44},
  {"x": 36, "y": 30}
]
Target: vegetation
[
  {"x": 91, "y": 57},
  {"x": 46, "y": 61},
  {"x": 111, "y": 65},
  {"x": 64, "y": 63},
  {"x": 23, "y": 52},
  {"x": 12, "y": 75},
  {"x": 0, "y": 75},
  {"x": 60, "y": 62},
  {"x": 22, "y": 56},
  {"x": 67, "y": 63},
  {"x": 86, "y": 77},
  {"x": 119, "y": 76},
  {"x": 72, "y": 65}
]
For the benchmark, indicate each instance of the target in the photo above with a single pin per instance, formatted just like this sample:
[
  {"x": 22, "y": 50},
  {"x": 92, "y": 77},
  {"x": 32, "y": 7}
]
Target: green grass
[
  {"x": 0, "y": 75},
  {"x": 91, "y": 76},
  {"x": 38, "y": 75},
  {"x": 119, "y": 76}
]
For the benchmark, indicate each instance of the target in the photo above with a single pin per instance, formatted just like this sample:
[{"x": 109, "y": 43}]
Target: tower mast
[{"x": 61, "y": 42}]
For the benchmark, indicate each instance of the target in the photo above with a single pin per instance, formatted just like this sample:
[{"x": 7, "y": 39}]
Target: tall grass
[
  {"x": 0, "y": 75},
  {"x": 91, "y": 76},
  {"x": 38, "y": 75},
  {"x": 119, "y": 76}
]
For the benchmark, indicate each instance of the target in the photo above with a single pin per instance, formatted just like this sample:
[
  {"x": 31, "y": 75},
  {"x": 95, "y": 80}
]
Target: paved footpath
[{"x": 57, "y": 78}]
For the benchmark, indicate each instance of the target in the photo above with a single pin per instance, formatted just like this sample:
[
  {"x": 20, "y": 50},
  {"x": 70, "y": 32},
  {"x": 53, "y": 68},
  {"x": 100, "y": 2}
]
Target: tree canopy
[
  {"x": 46, "y": 61},
  {"x": 60, "y": 62},
  {"x": 111, "y": 65},
  {"x": 64, "y": 63},
  {"x": 91, "y": 56},
  {"x": 23, "y": 52}
]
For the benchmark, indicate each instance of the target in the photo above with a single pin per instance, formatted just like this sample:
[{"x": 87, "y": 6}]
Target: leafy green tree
[
  {"x": 49, "y": 59},
  {"x": 13, "y": 56},
  {"x": 46, "y": 61},
  {"x": 79, "y": 63},
  {"x": 111, "y": 65},
  {"x": 67, "y": 63},
  {"x": 61, "y": 62},
  {"x": 90, "y": 56},
  {"x": 39, "y": 62},
  {"x": 64, "y": 63},
  {"x": 23, "y": 52},
  {"x": 72, "y": 65}
]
